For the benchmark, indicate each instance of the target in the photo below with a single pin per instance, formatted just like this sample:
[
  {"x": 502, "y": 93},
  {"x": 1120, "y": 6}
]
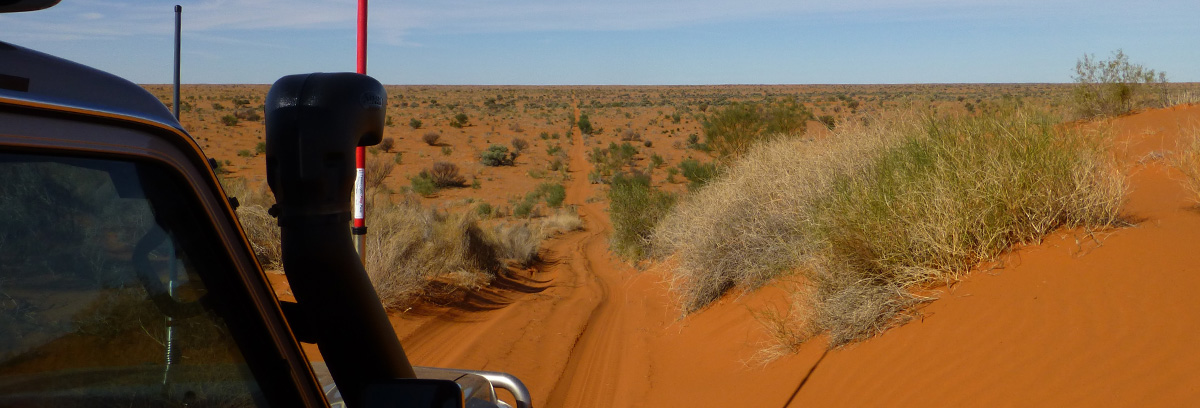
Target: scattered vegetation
[{"x": 609, "y": 162}]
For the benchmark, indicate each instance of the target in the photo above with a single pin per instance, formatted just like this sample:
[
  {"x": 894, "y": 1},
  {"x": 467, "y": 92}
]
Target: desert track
[
  {"x": 1080, "y": 320},
  {"x": 574, "y": 333}
]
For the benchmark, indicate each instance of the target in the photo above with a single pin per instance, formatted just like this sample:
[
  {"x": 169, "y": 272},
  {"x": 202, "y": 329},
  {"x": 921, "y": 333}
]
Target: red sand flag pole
[{"x": 360, "y": 157}]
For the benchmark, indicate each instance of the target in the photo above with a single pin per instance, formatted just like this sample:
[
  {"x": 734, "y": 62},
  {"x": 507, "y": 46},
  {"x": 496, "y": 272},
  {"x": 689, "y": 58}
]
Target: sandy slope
[{"x": 1103, "y": 320}]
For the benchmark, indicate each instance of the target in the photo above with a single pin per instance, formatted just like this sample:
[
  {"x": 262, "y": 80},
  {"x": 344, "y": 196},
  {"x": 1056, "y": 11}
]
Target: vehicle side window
[{"x": 102, "y": 301}]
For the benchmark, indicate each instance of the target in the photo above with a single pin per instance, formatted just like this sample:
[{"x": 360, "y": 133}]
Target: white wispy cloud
[{"x": 394, "y": 19}]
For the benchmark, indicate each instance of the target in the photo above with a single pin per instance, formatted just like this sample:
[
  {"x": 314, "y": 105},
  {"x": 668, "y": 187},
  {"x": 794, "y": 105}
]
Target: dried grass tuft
[{"x": 871, "y": 214}]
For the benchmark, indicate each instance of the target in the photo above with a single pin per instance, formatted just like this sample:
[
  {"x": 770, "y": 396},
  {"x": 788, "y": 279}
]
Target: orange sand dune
[{"x": 1080, "y": 320}]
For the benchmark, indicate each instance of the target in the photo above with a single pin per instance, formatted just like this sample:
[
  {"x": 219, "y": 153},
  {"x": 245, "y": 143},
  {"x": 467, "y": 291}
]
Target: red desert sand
[{"x": 1082, "y": 319}]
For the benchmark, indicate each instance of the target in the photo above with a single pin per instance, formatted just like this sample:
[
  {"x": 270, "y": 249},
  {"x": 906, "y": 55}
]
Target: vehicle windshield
[{"x": 101, "y": 297}]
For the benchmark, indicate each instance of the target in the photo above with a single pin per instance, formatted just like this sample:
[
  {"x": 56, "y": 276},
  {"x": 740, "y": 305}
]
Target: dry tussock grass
[
  {"x": 260, "y": 227},
  {"x": 413, "y": 253},
  {"x": 870, "y": 214},
  {"x": 1187, "y": 160},
  {"x": 562, "y": 221},
  {"x": 747, "y": 226}
]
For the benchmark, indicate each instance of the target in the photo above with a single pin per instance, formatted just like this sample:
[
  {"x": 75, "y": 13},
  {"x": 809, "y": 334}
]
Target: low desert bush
[
  {"x": 445, "y": 174},
  {"x": 423, "y": 184},
  {"x": 552, "y": 193},
  {"x": 732, "y": 130},
  {"x": 1187, "y": 161},
  {"x": 1116, "y": 86},
  {"x": 377, "y": 170},
  {"x": 697, "y": 173},
  {"x": 387, "y": 144},
  {"x": 460, "y": 120},
  {"x": 634, "y": 208},
  {"x": 872, "y": 213},
  {"x": 497, "y": 155},
  {"x": 431, "y": 138},
  {"x": 519, "y": 145},
  {"x": 584, "y": 125},
  {"x": 248, "y": 114}
]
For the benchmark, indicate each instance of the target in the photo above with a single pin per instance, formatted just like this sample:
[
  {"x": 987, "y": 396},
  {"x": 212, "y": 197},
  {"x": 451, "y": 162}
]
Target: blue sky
[{"x": 564, "y": 42}]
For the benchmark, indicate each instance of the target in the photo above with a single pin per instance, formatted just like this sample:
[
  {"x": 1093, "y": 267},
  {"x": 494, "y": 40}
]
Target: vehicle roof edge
[{"x": 38, "y": 79}]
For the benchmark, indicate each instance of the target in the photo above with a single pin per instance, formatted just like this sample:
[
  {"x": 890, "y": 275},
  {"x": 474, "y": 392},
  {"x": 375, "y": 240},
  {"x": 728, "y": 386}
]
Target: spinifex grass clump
[
  {"x": 413, "y": 253},
  {"x": 634, "y": 206},
  {"x": 1187, "y": 161},
  {"x": 870, "y": 214}
]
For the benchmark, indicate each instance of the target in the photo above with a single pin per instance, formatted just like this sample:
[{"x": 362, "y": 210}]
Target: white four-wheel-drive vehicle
[{"x": 126, "y": 280}]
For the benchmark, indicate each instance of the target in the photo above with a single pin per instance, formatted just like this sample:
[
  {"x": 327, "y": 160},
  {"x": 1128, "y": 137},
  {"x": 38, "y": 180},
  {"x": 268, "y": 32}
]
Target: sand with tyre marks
[{"x": 1083, "y": 319}]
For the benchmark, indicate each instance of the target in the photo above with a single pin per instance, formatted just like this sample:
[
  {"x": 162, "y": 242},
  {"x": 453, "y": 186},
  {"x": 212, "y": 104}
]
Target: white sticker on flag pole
[{"x": 359, "y": 189}]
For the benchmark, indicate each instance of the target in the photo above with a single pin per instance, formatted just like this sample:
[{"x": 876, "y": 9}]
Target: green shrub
[
  {"x": 524, "y": 208},
  {"x": 585, "y": 125},
  {"x": 554, "y": 193},
  {"x": 414, "y": 123},
  {"x": 244, "y": 153},
  {"x": 698, "y": 174},
  {"x": 423, "y": 184},
  {"x": 830, "y": 122},
  {"x": 1114, "y": 87},
  {"x": 460, "y": 120},
  {"x": 229, "y": 120},
  {"x": 483, "y": 209},
  {"x": 260, "y": 148},
  {"x": 731, "y": 130},
  {"x": 634, "y": 208},
  {"x": 519, "y": 145},
  {"x": 497, "y": 155}
]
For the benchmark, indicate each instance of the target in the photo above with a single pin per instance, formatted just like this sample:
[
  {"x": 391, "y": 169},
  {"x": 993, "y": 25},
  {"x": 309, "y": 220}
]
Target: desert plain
[{"x": 1084, "y": 318}]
